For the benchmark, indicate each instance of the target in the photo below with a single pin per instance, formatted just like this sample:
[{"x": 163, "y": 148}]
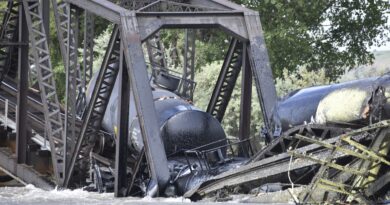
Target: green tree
[
  {"x": 330, "y": 34},
  {"x": 301, "y": 78},
  {"x": 211, "y": 45},
  {"x": 206, "y": 79}
]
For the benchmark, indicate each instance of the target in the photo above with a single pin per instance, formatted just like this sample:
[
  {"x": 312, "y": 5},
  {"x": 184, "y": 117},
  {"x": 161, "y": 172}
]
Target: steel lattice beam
[
  {"x": 172, "y": 6},
  {"x": 87, "y": 70},
  {"x": 135, "y": 4},
  {"x": 89, "y": 34},
  {"x": 97, "y": 106},
  {"x": 65, "y": 33},
  {"x": 61, "y": 14},
  {"x": 231, "y": 21},
  {"x": 40, "y": 58},
  {"x": 226, "y": 81},
  {"x": 72, "y": 84},
  {"x": 8, "y": 33},
  {"x": 156, "y": 54},
  {"x": 188, "y": 84},
  {"x": 154, "y": 45}
]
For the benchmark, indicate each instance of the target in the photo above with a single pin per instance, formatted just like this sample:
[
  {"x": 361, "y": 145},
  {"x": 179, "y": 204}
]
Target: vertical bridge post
[
  {"x": 121, "y": 140},
  {"x": 21, "y": 119},
  {"x": 154, "y": 147}
]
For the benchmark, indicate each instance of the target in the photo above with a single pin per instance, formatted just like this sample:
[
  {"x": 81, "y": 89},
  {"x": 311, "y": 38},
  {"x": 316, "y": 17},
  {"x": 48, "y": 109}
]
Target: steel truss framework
[
  {"x": 137, "y": 26},
  {"x": 136, "y": 22},
  {"x": 40, "y": 58}
]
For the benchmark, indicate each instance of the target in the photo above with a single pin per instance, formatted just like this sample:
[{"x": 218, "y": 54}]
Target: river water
[
  {"x": 31, "y": 195},
  {"x": 35, "y": 196}
]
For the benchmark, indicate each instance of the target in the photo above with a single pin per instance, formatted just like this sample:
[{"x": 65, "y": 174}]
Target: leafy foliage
[
  {"x": 301, "y": 78},
  {"x": 101, "y": 43},
  {"x": 206, "y": 80},
  {"x": 211, "y": 45},
  {"x": 330, "y": 34}
]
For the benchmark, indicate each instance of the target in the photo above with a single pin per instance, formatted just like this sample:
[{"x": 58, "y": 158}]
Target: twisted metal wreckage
[{"x": 326, "y": 143}]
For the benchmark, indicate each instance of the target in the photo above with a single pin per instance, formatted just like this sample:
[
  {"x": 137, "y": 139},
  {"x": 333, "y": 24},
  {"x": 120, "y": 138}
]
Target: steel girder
[
  {"x": 231, "y": 21},
  {"x": 188, "y": 84},
  {"x": 8, "y": 33},
  {"x": 103, "y": 8},
  {"x": 96, "y": 108},
  {"x": 246, "y": 103},
  {"x": 66, "y": 37},
  {"x": 98, "y": 103},
  {"x": 121, "y": 150},
  {"x": 72, "y": 81},
  {"x": 156, "y": 54},
  {"x": 40, "y": 58},
  {"x": 154, "y": 45},
  {"x": 62, "y": 15},
  {"x": 22, "y": 131},
  {"x": 154, "y": 147},
  {"x": 87, "y": 69},
  {"x": 261, "y": 68},
  {"x": 226, "y": 81},
  {"x": 46, "y": 18},
  {"x": 89, "y": 34},
  {"x": 24, "y": 173},
  {"x": 273, "y": 162},
  {"x": 135, "y": 4},
  {"x": 67, "y": 24},
  {"x": 65, "y": 34},
  {"x": 172, "y": 6},
  {"x": 359, "y": 173},
  {"x": 21, "y": 113}
]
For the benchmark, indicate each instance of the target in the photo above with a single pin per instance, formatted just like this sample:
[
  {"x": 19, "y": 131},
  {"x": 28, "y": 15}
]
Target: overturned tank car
[
  {"x": 328, "y": 144},
  {"x": 355, "y": 103},
  {"x": 194, "y": 141}
]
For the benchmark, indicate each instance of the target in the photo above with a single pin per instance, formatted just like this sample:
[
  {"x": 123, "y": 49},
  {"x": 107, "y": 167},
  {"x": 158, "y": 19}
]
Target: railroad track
[{"x": 39, "y": 172}]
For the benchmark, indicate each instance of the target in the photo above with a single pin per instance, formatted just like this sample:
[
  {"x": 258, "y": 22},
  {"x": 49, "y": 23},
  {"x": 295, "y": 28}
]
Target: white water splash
[{"x": 34, "y": 196}]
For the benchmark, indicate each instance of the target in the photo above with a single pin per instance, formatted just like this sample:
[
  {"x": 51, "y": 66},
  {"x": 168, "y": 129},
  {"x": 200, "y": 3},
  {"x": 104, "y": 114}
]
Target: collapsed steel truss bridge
[{"x": 69, "y": 133}]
